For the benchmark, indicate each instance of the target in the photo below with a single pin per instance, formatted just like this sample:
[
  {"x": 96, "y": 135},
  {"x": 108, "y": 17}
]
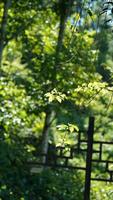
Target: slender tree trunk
[
  {"x": 65, "y": 8},
  {"x": 64, "y": 12},
  {"x": 45, "y": 134},
  {"x": 7, "y": 4}
]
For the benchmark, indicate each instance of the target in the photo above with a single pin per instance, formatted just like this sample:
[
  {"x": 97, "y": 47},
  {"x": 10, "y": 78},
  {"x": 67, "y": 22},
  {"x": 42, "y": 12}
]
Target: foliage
[{"x": 45, "y": 70}]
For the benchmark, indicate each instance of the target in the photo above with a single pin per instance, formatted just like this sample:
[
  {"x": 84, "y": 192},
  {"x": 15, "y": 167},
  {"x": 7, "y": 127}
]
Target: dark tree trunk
[
  {"x": 45, "y": 134},
  {"x": 64, "y": 12},
  {"x": 65, "y": 8},
  {"x": 7, "y": 4}
]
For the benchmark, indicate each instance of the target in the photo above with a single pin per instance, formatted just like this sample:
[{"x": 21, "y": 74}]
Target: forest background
[{"x": 56, "y": 70}]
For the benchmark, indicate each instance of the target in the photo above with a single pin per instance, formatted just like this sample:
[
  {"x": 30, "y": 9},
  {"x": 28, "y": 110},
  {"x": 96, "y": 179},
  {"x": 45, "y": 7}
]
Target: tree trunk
[
  {"x": 45, "y": 134},
  {"x": 64, "y": 12},
  {"x": 7, "y": 4},
  {"x": 65, "y": 8}
]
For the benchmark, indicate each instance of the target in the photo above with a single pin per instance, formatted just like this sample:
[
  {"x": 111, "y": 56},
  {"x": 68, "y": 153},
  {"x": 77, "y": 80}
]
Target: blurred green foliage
[{"x": 82, "y": 88}]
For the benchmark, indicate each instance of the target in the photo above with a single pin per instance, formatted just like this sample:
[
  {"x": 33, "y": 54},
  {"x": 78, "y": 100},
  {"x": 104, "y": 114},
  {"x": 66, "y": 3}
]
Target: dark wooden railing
[{"x": 62, "y": 157}]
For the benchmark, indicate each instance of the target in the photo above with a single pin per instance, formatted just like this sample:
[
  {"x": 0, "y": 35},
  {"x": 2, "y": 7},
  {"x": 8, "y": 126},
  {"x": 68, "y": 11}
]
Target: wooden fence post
[{"x": 90, "y": 133}]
